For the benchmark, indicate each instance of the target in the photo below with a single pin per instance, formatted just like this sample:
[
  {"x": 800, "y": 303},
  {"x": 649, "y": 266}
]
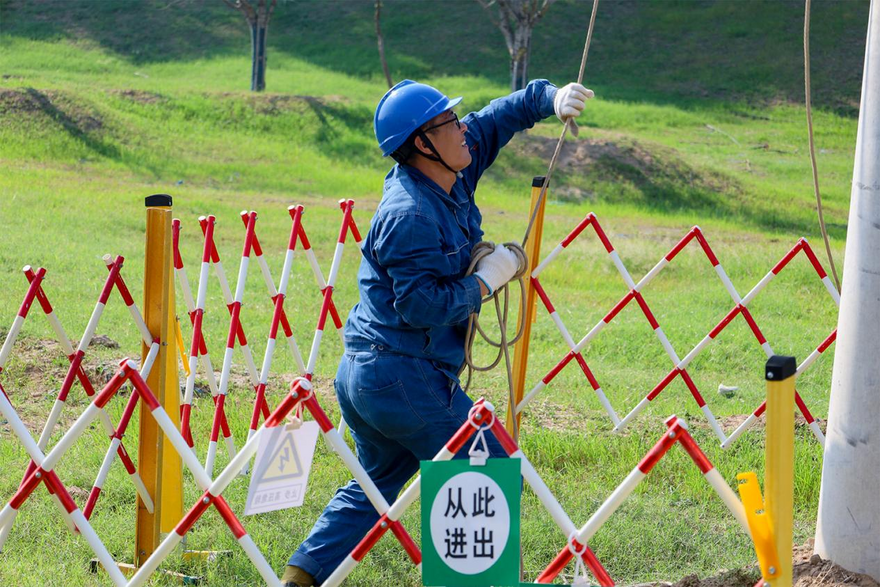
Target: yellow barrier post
[
  {"x": 160, "y": 466},
  {"x": 779, "y": 461},
  {"x": 521, "y": 351}
]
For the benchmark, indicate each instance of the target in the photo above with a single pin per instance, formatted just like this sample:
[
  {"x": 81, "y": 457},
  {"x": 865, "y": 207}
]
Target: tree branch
[
  {"x": 502, "y": 21},
  {"x": 544, "y": 8},
  {"x": 487, "y": 6},
  {"x": 242, "y": 5}
]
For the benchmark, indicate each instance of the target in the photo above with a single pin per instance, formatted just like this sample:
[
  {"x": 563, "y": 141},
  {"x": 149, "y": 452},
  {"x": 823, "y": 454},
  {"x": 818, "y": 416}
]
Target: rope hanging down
[
  {"x": 502, "y": 306},
  {"x": 808, "y": 100}
]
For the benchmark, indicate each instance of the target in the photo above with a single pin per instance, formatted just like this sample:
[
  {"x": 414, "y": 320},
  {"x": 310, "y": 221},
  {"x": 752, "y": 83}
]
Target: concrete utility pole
[{"x": 848, "y": 526}]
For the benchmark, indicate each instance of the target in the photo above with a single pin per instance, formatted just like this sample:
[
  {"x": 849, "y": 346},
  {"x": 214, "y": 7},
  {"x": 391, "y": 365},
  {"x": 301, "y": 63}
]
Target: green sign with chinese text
[{"x": 470, "y": 523}]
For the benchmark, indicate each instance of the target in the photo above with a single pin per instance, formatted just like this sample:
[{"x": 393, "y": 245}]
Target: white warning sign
[{"x": 281, "y": 468}]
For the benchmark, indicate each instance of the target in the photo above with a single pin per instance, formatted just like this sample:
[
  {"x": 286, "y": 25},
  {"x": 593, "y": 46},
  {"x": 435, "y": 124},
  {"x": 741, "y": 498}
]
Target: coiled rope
[{"x": 501, "y": 296}]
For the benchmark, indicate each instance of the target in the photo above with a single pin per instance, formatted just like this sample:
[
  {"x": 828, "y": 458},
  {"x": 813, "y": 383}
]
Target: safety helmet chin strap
[{"x": 436, "y": 157}]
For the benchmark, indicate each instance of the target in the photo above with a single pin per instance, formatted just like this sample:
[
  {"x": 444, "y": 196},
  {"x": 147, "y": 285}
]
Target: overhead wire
[
  {"x": 808, "y": 100},
  {"x": 565, "y": 128},
  {"x": 501, "y": 296},
  {"x": 502, "y": 305}
]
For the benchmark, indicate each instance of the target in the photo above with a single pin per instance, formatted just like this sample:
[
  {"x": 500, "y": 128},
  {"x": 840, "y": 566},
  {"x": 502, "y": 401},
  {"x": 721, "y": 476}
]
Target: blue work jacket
[{"x": 414, "y": 296}]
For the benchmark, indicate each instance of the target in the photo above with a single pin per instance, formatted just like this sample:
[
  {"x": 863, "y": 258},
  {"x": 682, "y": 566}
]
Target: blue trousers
[{"x": 401, "y": 410}]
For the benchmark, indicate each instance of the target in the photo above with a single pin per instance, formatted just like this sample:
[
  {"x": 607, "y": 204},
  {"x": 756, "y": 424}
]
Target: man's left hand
[{"x": 569, "y": 102}]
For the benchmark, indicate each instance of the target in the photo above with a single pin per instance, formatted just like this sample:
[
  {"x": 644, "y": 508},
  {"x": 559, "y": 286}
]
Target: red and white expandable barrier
[
  {"x": 679, "y": 365},
  {"x": 301, "y": 394},
  {"x": 279, "y": 318},
  {"x": 677, "y": 433},
  {"x": 235, "y": 331},
  {"x": 196, "y": 309},
  {"x": 634, "y": 293},
  {"x": 76, "y": 371},
  {"x": 740, "y": 308},
  {"x": 802, "y": 245},
  {"x": 212, "y": 489},
  {"x": 296, "y": 213},
  {"x": 43, "y": 471},
  {"x": 482, "y": 415},
  {"x": 198, "y": 349},
  {"x": 328, "y": 306},
  {"x": 117, "y": 448},
  {"x": 212, "y": 496},
  {"x": 230, "y": 302}
]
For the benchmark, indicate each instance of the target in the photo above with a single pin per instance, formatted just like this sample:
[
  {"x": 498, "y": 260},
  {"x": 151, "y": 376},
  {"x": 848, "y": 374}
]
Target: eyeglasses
[{"x": 445, "y": 122}]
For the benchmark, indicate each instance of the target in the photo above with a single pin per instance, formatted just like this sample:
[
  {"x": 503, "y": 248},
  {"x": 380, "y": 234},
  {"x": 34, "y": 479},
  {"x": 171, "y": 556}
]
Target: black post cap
[
  {"x": 779, "y": 368},
  {"x": 538, "y": 181},
  {"x": 157, "y": 200}
]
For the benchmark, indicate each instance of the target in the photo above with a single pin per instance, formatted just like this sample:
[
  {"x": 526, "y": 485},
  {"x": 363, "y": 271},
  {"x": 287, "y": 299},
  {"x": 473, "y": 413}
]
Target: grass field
[{"x": 698, "y": 120}]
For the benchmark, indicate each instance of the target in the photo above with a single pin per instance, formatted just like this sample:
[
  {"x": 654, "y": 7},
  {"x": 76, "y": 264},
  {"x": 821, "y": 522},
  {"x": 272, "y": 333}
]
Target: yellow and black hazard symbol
[{"x": 284, "y": 462}]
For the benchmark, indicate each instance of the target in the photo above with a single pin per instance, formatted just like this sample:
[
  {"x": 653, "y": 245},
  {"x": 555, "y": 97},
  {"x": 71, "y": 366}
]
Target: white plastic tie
[
  {"x": 305, "y": 385},
  {"x": 580, "y": 570},
  {"x": 479, "y": 450}
]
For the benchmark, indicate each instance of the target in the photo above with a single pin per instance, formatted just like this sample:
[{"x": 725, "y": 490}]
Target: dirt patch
[
  {"x": 615, "y": 157},
  {"x": 140, "y": 96},
  {"x": 809, "y": 570},
  {"x": 548, "y": 415},
  {"x": 56, "y": 105},
  {"x": 36, "y": 377},
  {"x": 812, "y": 570},
  {"x": 80, "y": 494},
  {"x": 276, "y": 104},
  {"x": 240, "y": 381},
  {"x": 731, "y": 423},
  {"x": 585, "y": 152},
  {"x": 40, "y": 368},
  {"x": 105, "y": 341}
]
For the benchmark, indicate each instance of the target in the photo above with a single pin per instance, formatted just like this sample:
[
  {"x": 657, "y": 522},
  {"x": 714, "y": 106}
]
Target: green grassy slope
[{"x": 698, "y": 120}]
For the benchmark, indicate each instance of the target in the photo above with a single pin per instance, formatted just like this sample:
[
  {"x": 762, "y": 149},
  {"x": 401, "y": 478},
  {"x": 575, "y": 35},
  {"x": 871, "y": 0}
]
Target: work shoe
[{"x": 296, "y": 577}]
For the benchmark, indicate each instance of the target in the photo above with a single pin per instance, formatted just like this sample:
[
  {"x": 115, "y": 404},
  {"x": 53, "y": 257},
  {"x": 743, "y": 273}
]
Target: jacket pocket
[{"x": 457, "y": 252}]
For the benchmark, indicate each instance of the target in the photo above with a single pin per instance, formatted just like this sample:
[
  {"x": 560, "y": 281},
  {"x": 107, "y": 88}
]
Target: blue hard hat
[{"x": 403, "y": 109}]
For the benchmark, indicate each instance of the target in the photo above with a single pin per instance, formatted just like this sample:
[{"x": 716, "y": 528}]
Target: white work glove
[
  {"x": 497, "y": 268},
  {"x": 570, "y": 101}
]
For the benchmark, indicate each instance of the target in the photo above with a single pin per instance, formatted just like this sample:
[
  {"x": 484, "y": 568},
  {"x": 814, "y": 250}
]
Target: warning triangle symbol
[{"x": 284, "y": 462}]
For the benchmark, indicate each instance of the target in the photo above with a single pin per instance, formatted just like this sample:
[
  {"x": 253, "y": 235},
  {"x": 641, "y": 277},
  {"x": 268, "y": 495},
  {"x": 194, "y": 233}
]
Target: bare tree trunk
[
  {"x": 519, "y": 58},
  {"x": 381, "y": 43},
  {"x": 516, "y": 19},
  {"x": 257, "y": 15},
  {"x": 525, "y": 67},
  {"x": 258, "y": 56},
  {"x": 514, "y": 74}
]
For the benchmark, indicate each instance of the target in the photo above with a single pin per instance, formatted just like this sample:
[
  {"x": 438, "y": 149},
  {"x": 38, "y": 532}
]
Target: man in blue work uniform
[{"x": 397, "y": 384}]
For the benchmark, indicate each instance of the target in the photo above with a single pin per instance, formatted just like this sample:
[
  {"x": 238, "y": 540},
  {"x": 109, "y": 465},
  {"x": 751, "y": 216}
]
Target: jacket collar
[{"x": 457, "y": 197}]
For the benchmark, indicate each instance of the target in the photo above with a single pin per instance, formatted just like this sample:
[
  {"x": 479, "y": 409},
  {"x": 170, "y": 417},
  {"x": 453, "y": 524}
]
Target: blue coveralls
[{"x": 397, "y": 383}]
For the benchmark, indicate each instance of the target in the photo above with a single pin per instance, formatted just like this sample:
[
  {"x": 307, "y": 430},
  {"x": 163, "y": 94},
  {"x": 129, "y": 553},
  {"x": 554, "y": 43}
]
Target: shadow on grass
[
  {"x": 81, "y": 123},
  {"x": 352, "y": 142},
  {"x": 80, "y": 127},
  {"x": 654, "y": 179},
  {"x": 683, "y": 52}
]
